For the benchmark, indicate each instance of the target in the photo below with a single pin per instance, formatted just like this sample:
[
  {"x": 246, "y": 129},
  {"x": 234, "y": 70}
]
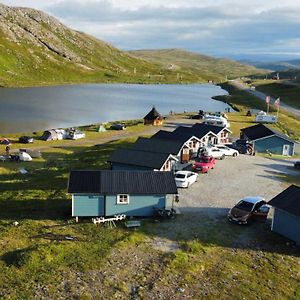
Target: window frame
[{"x": 120, "y": 202}]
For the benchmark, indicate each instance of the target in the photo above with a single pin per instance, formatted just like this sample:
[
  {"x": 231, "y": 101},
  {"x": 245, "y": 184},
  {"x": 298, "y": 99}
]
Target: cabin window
[{"x": 122, "y": 199}]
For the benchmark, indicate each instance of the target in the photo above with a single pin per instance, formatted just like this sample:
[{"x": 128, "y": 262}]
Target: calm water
[{"x": 31, "y": 109}]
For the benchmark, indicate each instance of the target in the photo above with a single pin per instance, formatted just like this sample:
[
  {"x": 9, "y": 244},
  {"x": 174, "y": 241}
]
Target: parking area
[{"x": 234, "y": 178}]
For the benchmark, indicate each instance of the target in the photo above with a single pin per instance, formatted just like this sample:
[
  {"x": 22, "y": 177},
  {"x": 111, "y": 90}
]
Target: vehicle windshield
[
  {"x": 180, "y": 176},
  {"x": 203, "y": 159},
  {"x": 244, "y": 205}
]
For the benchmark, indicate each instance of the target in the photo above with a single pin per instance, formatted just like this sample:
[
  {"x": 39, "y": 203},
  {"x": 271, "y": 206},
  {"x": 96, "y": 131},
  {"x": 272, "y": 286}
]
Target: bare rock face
[{"x": 25, "y": 25}]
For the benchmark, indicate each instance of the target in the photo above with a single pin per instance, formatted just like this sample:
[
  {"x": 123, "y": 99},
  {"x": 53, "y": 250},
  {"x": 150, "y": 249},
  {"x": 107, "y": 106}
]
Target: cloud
[{"x": 219, "y": 27}]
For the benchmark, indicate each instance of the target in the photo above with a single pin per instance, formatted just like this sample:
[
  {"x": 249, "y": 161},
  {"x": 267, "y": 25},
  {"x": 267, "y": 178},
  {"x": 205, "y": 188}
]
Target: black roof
[
  {"x": 198, "y": 132},
  {"x": 153, "y": 114},
  {"x": 259, "y": 131},
  {"x": 139, "y": 158},
  {"x": 205, "y": 128},
  {"x": 119, "y": 182},
  {"x": 288, "y": 200},
  {"x": 172, "y": 135},
  {"x": 162, "y": 146}
]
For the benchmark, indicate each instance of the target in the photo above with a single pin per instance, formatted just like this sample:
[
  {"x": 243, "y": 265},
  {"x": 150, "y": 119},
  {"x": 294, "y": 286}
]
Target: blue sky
[{"x": 257, "y": 29}]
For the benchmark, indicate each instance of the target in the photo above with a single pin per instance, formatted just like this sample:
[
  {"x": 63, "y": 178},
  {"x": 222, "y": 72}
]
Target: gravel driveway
[{"x": 233, "y": 179}]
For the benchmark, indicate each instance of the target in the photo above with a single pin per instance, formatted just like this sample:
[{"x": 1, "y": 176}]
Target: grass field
[
  {"x": 288, "y": 93},
  {"x": 243, "y": 101}
]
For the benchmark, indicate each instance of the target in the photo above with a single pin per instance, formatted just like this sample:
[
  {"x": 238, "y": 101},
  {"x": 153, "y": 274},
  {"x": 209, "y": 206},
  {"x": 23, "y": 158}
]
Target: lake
[{"x": 39, "y": 108}]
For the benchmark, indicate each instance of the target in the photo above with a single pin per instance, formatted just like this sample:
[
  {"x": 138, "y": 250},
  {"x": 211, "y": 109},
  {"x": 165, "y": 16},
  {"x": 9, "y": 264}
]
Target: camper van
[
  {"x": 215, "y": 120},
  {"x": 262, "y": 117}
]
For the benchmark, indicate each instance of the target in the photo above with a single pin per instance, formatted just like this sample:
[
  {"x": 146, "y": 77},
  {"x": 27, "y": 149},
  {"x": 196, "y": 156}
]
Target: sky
[{"x": 252, "y": 29}]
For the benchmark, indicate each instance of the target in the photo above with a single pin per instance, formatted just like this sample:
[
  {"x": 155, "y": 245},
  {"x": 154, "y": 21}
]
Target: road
[{"x": 262, "y": 97}]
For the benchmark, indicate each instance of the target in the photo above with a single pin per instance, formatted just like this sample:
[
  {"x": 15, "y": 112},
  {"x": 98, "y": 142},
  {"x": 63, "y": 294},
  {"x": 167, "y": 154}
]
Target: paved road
[{"x": 262, "y": 97}]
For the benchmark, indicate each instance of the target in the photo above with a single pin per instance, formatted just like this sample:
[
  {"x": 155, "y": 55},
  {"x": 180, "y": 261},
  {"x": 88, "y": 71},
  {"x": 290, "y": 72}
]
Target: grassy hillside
[
  {"x": 36, "y": 49},
  {"x": 288, "y": 92},
  {"x": 207, "y": 68}
]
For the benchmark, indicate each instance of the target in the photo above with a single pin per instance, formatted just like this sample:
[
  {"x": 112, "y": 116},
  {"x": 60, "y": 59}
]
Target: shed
[
  {"x": 286, "y": 217},
  {"x": 129, "y": 159},
  {"x": 153, "y": 118},
  {"x": 266, "y": 139},
  {"x": 108, "y": 193}
]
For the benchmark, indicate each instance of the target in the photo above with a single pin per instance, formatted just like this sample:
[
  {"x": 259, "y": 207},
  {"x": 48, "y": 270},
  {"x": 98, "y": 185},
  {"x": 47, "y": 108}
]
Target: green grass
[
  {"x": 243, "y": 101},
  {"x": 214, "y": 259},
  {"x": 288, "y": 94}
]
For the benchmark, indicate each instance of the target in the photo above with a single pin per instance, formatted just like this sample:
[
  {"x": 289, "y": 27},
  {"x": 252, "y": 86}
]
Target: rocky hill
[{"x": 37, "y": 49}]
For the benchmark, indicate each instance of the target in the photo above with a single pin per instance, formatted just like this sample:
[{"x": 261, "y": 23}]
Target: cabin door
[
  {"x": 185, "y": 155},
  {"x": 286, "y": 150}
]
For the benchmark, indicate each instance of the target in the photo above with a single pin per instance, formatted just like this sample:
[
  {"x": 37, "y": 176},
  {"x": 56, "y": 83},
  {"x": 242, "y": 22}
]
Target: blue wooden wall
[
  {"x": 274, "y": 144},
  {"x": 286, "y": 224},
  {"x": 139, "y": 205},
  {"x": 87, "y": 205},
  {"x": 96, "y": 205}
]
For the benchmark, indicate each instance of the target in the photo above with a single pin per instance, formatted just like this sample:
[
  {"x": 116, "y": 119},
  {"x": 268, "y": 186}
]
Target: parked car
[
  {"x": 297, "y": 164},
  {"x": 184, "y": 179},
  {"x": 249, "y": 209},
  {"x": 242, "y": 146},
  {"x": 215, "y": 152},
  {"x": 25, "y": 139},
  {"x": 196, "y": 117},
  {"x": 228, "y": 151},
  {"x": 203, "y": 164},
  {"x": 118, "y": 126},
  {"x": 75, "y": 135}
]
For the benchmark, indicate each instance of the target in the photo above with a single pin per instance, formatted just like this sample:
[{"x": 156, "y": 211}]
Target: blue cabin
[
  {"x": 266, "y": 139},
  {"x": 286, "y": 217},
  {"x": 107, "y": 193}
]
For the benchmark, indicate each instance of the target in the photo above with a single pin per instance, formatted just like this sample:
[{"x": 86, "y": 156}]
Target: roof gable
[
  {"x": 199, "y": 132},
  {"x": 201, "y": 127},
  {"x": 153, "y": 114},
  {"x": 260, "y": 131},
  {"x": 288, "y": 200},
  {"x": 139, "y": 158},
  {"x": 175, "y": 136},
  {"x": 118, "y": 182}
]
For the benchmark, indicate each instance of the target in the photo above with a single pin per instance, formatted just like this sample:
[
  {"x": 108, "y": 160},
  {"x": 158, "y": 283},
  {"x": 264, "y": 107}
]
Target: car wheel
[
  {"x": 234, "y": 154},
  {"x": 222, "y": 157}
]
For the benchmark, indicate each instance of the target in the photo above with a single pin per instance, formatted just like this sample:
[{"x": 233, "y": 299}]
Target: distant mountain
[
  {"x": 274, "y": 66},
  {"x": 37, "y": 49},
  {"x": 207, "y": 67}
]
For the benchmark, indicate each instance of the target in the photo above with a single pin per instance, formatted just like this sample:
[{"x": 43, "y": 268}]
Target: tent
[
  {"x": 25, "y": 156},
  {"x": 50, "y": 135}
]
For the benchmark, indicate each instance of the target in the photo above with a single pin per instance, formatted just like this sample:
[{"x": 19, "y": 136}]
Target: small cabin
[
  {"x": 104, "y": 193},
  {"x": 266, "y": 139},
  {"x": 153, "y": 118},
  {"x": 286, "y": 217}
]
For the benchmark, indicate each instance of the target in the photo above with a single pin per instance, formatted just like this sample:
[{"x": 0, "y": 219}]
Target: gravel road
[{"x": 233, "y": 179}]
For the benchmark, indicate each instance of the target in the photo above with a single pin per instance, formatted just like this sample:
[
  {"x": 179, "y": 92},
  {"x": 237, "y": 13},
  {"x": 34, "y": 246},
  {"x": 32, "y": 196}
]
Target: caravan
[{"x": 215, "y": 121}]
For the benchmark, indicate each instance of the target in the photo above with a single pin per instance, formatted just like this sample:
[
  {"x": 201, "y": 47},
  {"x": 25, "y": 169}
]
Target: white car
[
  {"x": 184, "y": 179},
  {"x": 214, "y": 152},
  {"x": 227, "y": 151}
]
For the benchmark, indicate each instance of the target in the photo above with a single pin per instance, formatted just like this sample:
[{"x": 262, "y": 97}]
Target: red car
[{"x": 203, "y": 164}]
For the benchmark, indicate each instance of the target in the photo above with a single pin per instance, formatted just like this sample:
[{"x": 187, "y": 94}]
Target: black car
[
  {"x": 118, "y": 126},
  {"x": 297, "y": 164},
  {"x": 25, "y": 139}
]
